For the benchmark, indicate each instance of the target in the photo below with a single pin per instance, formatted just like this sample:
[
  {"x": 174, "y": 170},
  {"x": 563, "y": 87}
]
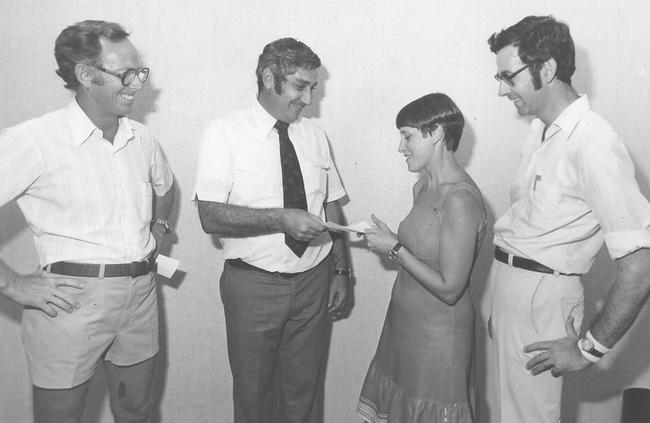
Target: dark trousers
[{"x": 277, "y": 328}]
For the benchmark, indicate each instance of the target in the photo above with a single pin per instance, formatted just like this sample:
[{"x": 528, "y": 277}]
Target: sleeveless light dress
[{"x": 423, "y": 368}]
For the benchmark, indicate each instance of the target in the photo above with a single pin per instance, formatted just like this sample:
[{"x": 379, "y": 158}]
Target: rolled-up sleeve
[{"x": 607, "y": 176}]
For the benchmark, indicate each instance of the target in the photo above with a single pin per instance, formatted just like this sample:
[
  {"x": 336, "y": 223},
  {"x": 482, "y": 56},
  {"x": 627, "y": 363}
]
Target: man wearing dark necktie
[
  {"x": 266, "y": 184},
  {"x": 293, "y": 188}
]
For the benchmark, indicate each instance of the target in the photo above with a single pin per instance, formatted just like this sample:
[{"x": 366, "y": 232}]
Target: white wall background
[{"x": 377, "y": 56}]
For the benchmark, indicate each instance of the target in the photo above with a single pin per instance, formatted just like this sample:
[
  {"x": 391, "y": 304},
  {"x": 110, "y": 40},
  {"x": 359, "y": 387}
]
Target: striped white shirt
[{"x": 85, "y": 199}]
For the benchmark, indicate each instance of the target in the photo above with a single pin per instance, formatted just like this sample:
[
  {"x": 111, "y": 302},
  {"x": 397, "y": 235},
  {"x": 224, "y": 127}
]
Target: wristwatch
[
  {"x": 343, "y": 272},
  {"x": 164, "y": 222},
  {"x": 392, "y": 254},
  {"x": 591, "y": 349}
]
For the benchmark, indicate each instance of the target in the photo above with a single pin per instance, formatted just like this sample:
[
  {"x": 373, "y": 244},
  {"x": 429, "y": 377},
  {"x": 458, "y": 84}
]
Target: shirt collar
[
  {"x": 124, "y": 133},
  {"x": 263, "y": 122},
  {"x": 569, "y": 118},
  {"x": 80, "y": 124},
  {"x": 83, "y": 128}
]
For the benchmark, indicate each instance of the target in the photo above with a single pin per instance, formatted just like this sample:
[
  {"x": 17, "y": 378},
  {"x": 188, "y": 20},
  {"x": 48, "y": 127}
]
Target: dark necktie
[{"x": 293, "y": 186}]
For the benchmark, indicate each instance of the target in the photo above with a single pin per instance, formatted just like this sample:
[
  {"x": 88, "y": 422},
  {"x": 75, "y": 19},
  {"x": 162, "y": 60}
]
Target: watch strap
[
  {"x": 392, "y": 254},
  {"x": 343, "y": 272},
  {"x": 591, "y": 349},
  {"x": 586, "y": 349},
  {"x": 164, "y": 222},
  {"x": 597, "y": 345}
]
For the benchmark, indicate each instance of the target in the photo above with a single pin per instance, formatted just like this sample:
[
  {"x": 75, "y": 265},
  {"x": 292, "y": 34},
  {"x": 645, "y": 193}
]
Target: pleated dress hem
[{"x": 382, "y": 401}]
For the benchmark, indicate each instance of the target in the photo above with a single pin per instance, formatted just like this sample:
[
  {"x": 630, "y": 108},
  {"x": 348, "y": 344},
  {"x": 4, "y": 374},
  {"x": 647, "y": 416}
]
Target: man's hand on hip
[
  {"x": 43, "y": 293},
  {"x": 559, "y": 356}
]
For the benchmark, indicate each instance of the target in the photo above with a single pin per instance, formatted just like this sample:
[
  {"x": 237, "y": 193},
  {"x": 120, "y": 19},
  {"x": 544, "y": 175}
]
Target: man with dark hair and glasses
[
  {"x": 574, "y": 189},
  {"x": 96, "y": 190},
  {"x": 266, "y": 184}
]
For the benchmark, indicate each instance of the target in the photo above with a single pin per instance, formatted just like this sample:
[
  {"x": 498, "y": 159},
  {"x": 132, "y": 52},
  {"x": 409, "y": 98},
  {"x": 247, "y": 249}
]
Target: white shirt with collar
[
  {"x": 239, "y": 164},
  {"x": 85, "y": 199},
  {"x": 571, "y": 192}
]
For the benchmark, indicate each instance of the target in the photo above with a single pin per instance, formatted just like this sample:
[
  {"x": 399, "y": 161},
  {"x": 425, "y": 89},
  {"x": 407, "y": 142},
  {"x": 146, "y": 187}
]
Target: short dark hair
[
  {"x": 79, "y": 43},
  {"x": 283, "y": 57},
  {"x": 433, "y": 110},
  {"x": 538, "y": 39}
]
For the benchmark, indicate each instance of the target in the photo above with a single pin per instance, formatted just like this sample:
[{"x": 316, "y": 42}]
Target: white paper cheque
[
  {"x": 359, "y": 227},
  {"x": 166, "y": 266}
]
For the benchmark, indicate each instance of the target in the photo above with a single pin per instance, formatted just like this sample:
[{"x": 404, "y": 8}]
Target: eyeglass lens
[
  {"x": 508, "y": 79},
  {"x": 130, "y": 75}
]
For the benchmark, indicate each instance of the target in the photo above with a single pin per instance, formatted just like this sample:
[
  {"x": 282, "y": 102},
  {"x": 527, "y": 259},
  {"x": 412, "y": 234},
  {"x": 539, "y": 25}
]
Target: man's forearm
[
  {"x": 626, "y": 296},
  {"x": 230, "y": 220},
  {"x": 339, "y": 248},
  {"x": 163, "y": 205}
]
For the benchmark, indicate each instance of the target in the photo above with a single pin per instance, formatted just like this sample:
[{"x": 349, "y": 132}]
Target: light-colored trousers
[{"x": 521, "y": 307}]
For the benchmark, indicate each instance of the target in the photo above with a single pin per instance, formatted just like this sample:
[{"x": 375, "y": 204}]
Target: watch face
[{"x": 586, "y": 344}]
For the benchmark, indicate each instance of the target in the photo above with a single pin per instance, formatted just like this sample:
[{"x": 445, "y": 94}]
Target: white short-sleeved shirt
[
  {"x": 573, "y": 191},
  {"x": 85, "y": 199},
  {"x": 239, "y": 164}
]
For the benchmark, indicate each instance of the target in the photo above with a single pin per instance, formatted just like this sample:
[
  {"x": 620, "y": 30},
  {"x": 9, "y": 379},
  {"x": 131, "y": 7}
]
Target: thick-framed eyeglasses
[
  {"x": 508, "y": 77},
  {"x": 128, "y": 76}
]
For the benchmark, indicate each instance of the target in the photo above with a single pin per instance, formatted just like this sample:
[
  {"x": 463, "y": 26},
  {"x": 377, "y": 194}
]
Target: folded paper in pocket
[{"x": 166, "y": 266}]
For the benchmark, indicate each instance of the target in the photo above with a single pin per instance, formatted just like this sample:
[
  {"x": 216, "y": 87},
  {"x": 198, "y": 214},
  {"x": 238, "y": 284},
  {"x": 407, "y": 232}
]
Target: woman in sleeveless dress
[{"x": 423, "y": 368}]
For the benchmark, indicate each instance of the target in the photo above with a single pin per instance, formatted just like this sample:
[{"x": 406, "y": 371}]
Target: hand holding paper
[{"x": 359, "y": 227}]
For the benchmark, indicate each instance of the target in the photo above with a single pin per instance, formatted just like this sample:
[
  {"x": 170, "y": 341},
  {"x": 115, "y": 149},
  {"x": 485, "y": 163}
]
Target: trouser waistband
[
  {"x": 241, "y": 264},
  {"x": 89, "y": 270},
  {"x": 526, "y": 264}
]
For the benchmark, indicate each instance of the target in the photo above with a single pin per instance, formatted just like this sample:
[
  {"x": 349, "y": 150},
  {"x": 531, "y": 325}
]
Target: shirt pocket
[
  {"x": 553, "y": 184},
  {"x": 314, "y": 175},
  {"x": 256, "y": 183}
]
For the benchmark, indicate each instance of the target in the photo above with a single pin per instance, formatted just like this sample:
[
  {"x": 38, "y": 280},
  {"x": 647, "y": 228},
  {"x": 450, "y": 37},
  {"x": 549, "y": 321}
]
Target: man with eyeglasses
[
  {"x": 574, "y": 190},
  {"x": 96, "y": 190}
]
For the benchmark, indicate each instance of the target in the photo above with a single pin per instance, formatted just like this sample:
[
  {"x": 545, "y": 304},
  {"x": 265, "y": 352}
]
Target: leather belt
[
  {"x": 241, "y": 264},
  {"x": 133, "y": 269},
  {"x": 527, "y": 264}
]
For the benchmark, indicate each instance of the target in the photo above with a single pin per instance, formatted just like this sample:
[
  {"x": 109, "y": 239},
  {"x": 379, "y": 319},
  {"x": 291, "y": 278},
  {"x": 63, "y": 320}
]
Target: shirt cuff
[
  {"x": 622, "y": 243},
  {"x": 161, "y": 190}
]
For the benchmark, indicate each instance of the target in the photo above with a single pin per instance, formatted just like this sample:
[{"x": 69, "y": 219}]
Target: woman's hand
[{"x": 380, "y": 238}]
